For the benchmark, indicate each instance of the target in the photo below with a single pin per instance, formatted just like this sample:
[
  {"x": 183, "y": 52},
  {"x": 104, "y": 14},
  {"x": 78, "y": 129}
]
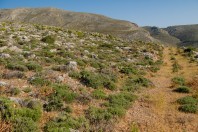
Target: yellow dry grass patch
[{"x": 157, "y": 101}]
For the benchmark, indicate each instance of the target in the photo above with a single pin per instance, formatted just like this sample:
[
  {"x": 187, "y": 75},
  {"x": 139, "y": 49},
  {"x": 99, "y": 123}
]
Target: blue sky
[{"x": 160, "y": 13}]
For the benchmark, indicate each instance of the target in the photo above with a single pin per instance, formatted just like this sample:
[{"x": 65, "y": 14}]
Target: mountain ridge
[{"x": 76, "y": 21}]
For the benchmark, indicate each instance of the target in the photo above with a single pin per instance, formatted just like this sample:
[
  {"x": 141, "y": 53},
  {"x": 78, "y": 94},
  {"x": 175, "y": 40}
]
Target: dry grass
[
  {"x": 157, "y": 101},
  {"x": 194, "y": 83},
  {"x": 5, "y": 127}
]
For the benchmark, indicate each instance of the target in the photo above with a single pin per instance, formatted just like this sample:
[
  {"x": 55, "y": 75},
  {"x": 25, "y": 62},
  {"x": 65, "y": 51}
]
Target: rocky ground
[{"x": 52, "y": 79}]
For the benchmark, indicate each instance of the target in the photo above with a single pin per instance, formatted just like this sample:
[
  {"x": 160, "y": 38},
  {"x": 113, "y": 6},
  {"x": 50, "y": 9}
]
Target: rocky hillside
[
  {"x": 185, "y": 35},
  {"x": 53, "y": 79},
  {"x": 76, "y": 21},
  {"x": 162, "y": 35}
]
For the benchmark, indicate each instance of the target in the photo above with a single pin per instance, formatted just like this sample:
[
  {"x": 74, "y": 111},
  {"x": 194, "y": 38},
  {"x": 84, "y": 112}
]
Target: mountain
[
  {"x": 162, "y": 35},
  {"x": 187, "y": 34},
  {"x": 76, "y": 21},
  {"x": 184, "y": 35}
]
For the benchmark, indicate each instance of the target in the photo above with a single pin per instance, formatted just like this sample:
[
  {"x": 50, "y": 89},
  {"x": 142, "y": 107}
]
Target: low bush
[
  {"x": 75, "y": 75},
  {"x": 121, "y": 100},
  {"x": 61, "y": 94},
  {"x": 34, "y": 114},
  {"x": 16, "y": 66},
  {"x": 65, "y": 122},
  {"x": 176, "y": 66},
  {"x": 27, "y": 90},
  {"x": 13, "y": 74},
  {"x": 188, "y": 108},
  {"x": 96, "y": 115},
  {"x": 68, "y": 109},
  {"x": 99, "y": 94},
  {"x": 187, "y": 100},
  {"x": 91, "y": 79},
  {"x": 14, "y": 91},
  {"x": 32, "y": 66},
  {"x": 116, "y": 111},
  {"x": 109, "y": 84},
  {"x": 133, "y": 84},
  {"x": 179, "y": 81},
  {"x": 95, "y": 80},
  {"x": 48, "y": 39},
  {"x": 182, "y": 89},
  {"x": 25, "y": 124},
  {"x": 128, "y": 70},
  {"x": 22, "y": 118},
  {"x": 53, "y": 105},
  {"x": 39, "y": 81}
]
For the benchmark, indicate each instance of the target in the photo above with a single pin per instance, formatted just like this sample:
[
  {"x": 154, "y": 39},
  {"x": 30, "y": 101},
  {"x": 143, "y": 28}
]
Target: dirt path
[{"x": 156, "y": 110}]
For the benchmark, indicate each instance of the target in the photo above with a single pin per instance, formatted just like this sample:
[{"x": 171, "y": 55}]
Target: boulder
[{"x": 4, "y": 55}]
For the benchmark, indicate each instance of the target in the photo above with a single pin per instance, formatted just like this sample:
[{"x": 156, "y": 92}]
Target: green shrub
[
  {"x": 128, "y": 70},
  {"x": 33, "y": 114},
  {"x": 7, "y": 112},
  {"x": 23, "y": 119},
  {"x": 39, "y": 81},
  {"x": 96, "y": 115},
  {"x": 122, "y": 100},
  {"x": 133, "y": 84},
  {"x": 182, "y": 89},
  {"x": 176, "y": 66},
  {"x": 109, "y": 85},
  {"x": 75, "y": 75},
  {"x": 116, "y": 111},
  {"x": 33, "y": 66},
  {"x": 61, "y": 94},
  {"x": 27, "y": 90},
  {"x": 187, "y": 100},
  {"x": 33, "y": 104},
  {"x": 68, "y": 109},
  {"x": 99, "y": 94},
  {"x": 48, "y": 39},
  {"x": 16, "y": 66},
  {"x": 142, "y": 81},
  {"x": 64, "y": 122},
  {"x": 95, "y": 80},
  {"x": 15, "y": 91},
  {"x": 91, "y": 79},
  {"x": 179, "y": 81},
  {"x": 24, "y": 124},
  {"x": 54, "y": 105},
  {"x": 188, "y": 108},
  {"x": 80, "y": 34}
]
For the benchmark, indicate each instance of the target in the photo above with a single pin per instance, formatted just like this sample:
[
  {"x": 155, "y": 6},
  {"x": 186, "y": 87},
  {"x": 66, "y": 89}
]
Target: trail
[{"x": 156, "y": 110}]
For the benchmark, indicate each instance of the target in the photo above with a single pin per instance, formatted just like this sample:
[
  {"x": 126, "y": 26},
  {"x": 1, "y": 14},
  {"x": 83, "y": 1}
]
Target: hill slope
[
  {"x": 184, "y": 35},
  {"x": 188, "y": 34},
  {"x": 76, "y": 21},
  {"x": 162, "y": 35},
  {"x": 53, "y": 79}
]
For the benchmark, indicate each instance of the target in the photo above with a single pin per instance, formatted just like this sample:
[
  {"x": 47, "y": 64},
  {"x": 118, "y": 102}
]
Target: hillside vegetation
[
  {"x": 162, "y": 35},
  {"x": 53, "y": 79},
  {"x": 184, "y": 35},
  {"x": 76, "y": 21},
  {"x": 187, "y": 34}
]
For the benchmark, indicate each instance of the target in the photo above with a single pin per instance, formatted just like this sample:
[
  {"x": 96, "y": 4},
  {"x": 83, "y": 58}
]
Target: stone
[
  {"x": 3, "y": 84},
  {"x": 3, "y": 55},
  {"x": 60, "y": 79},
  {"x": 72, "y": 65},
  {"x": 15, "y": 49},
  {"x": 13, "y": 74}
]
